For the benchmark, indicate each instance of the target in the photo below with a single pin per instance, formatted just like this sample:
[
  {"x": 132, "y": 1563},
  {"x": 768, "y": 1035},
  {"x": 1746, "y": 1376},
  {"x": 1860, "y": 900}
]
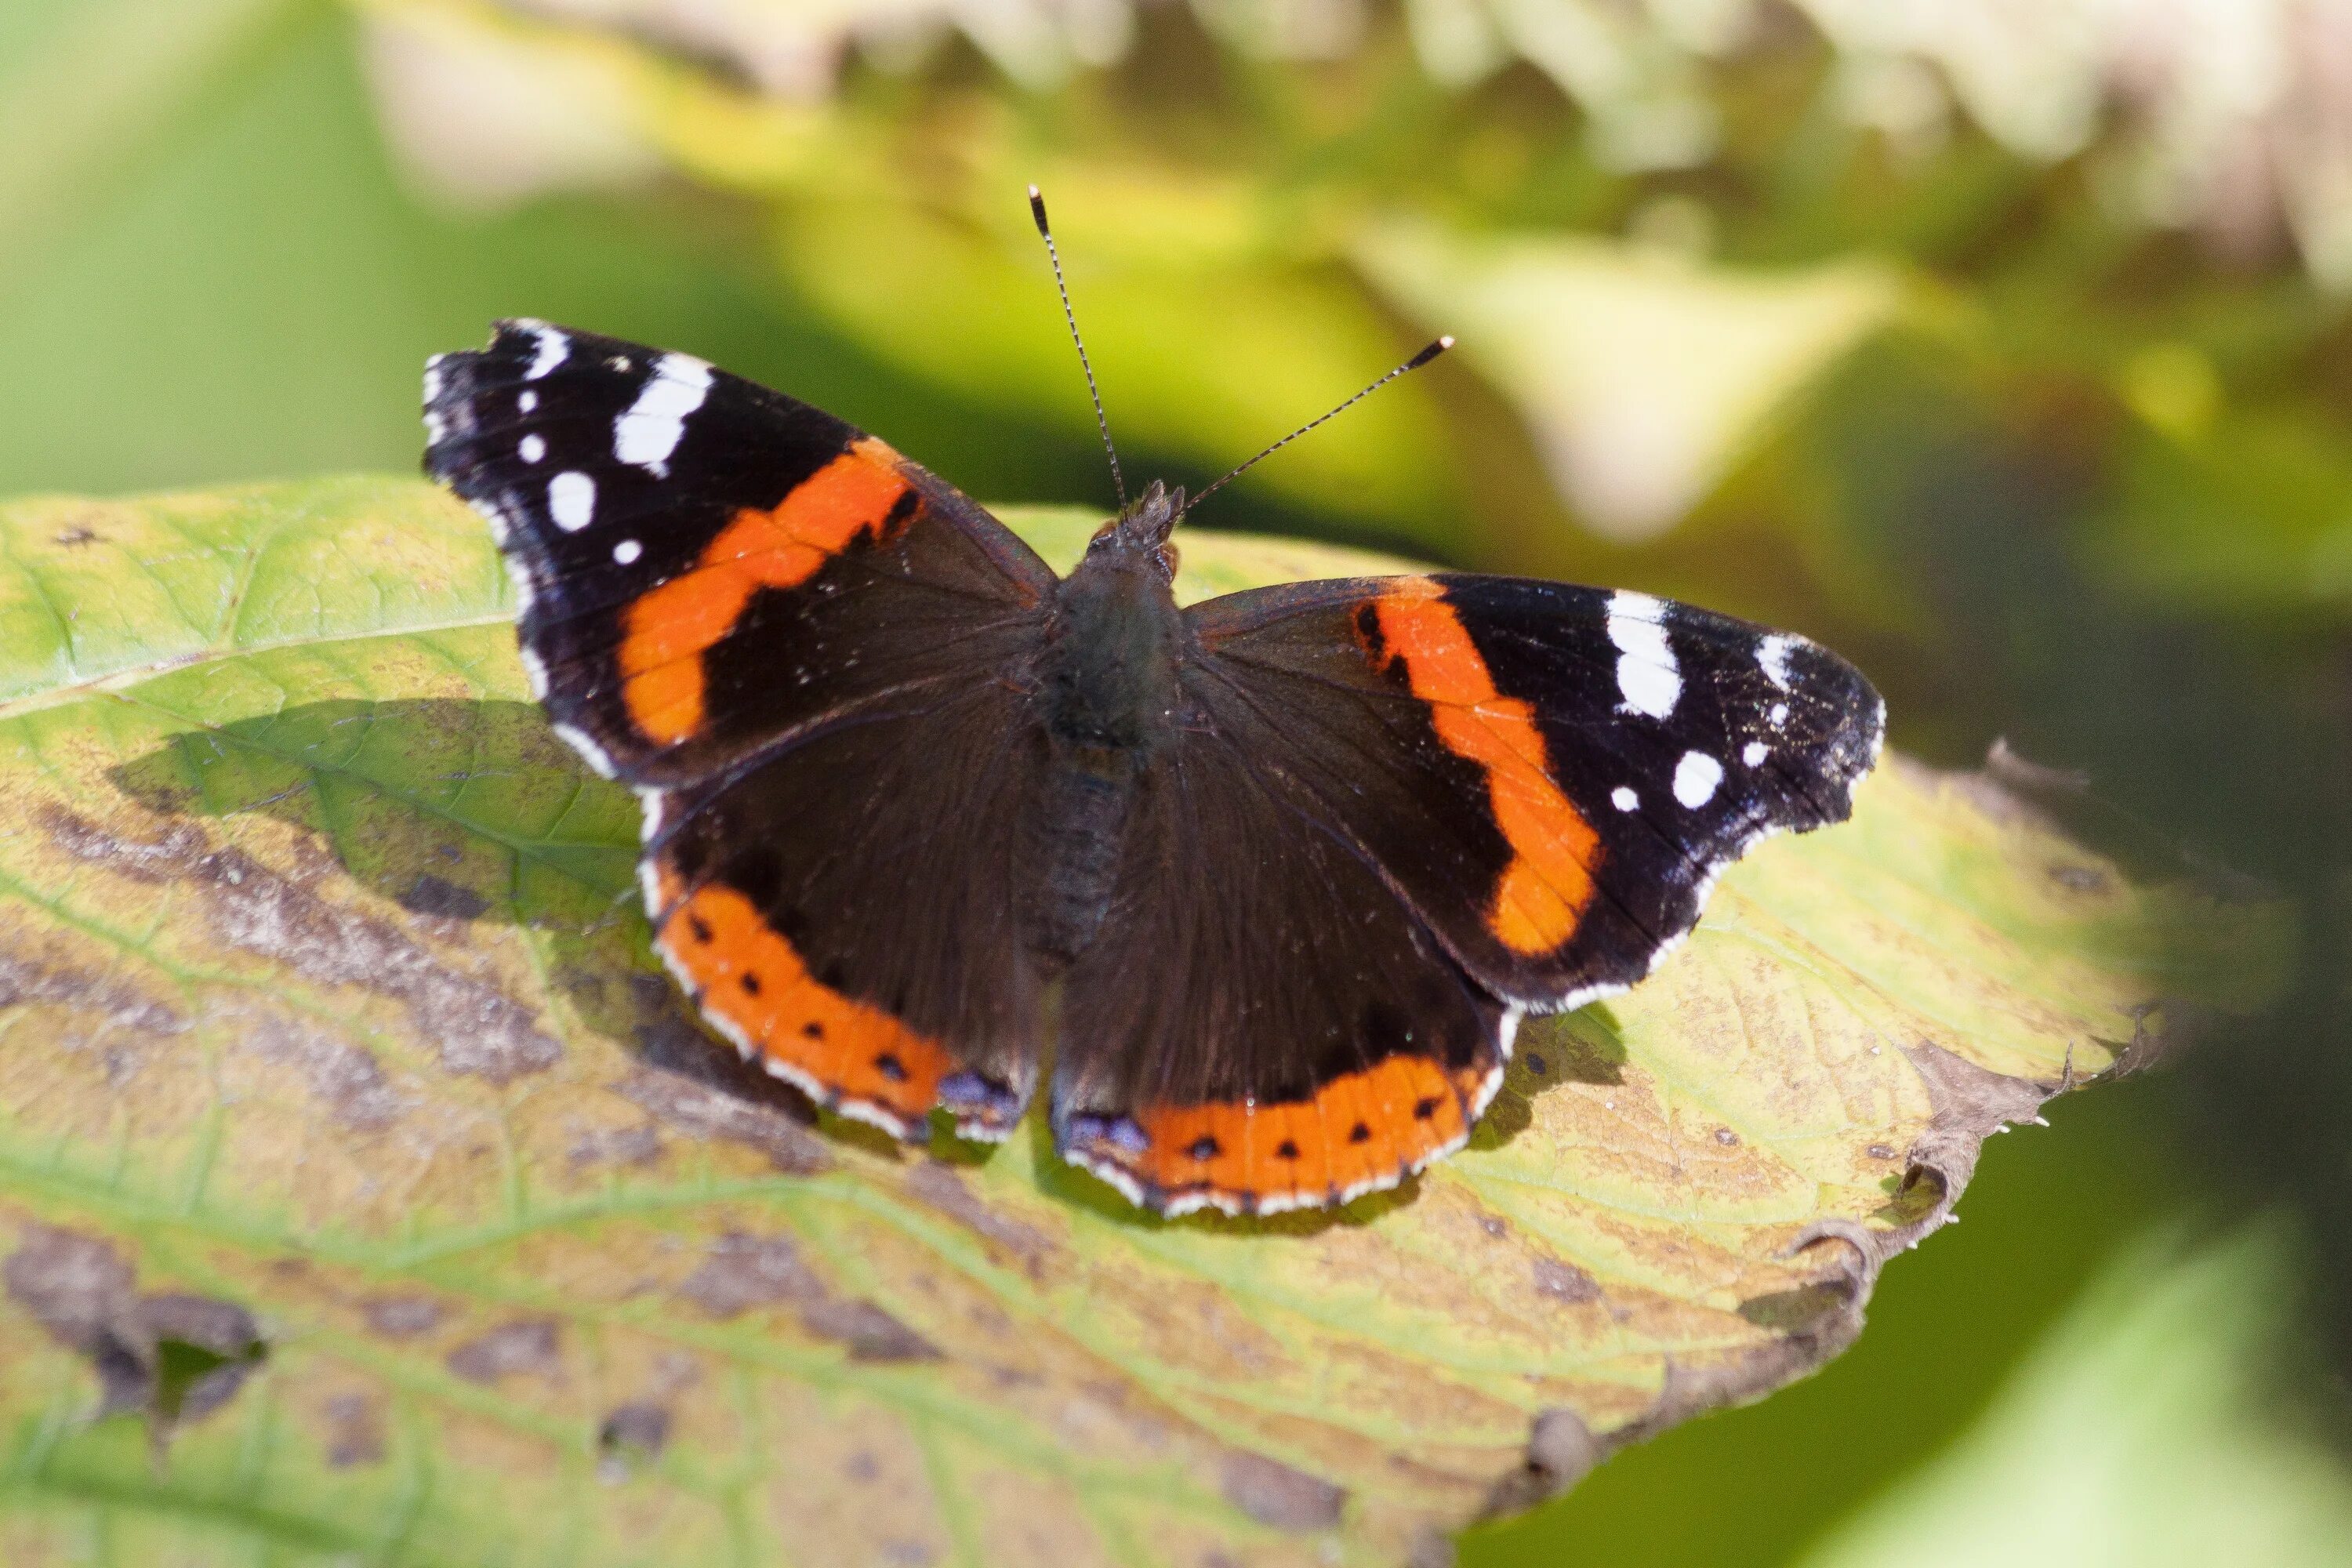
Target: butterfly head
[{"x": 1141, "y": 530}]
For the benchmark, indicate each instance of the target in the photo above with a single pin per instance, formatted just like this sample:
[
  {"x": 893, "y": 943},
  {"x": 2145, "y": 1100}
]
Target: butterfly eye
[{"x": 1169, "y": 556}]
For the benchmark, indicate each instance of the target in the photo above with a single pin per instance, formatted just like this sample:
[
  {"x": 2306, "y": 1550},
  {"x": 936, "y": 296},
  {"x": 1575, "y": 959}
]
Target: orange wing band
[
  {"x": 751, "y": 982},
  {"x": 1545, "y": 889},
  {"x": 670, "y": 629},
  {"x": 1361, "y": 1132}
]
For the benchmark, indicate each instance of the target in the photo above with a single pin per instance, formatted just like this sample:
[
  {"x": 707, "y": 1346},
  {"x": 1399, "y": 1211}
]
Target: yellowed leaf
[{"x": 324, "y": 1000}]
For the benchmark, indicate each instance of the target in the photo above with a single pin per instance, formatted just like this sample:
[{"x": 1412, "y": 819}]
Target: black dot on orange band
[
  {"x": 1203, "y": 1148},
  {"x": 890, "y": 1066},
  {"x": 1360, "y": 1134},
  {"x": 1287, "y": 1149},
  {"x": 812, "y": 1030},
  {"x": 699, "y": 927},
  {"x": 750, "y": 983},
  {"x": 1422, "y": 1109}
]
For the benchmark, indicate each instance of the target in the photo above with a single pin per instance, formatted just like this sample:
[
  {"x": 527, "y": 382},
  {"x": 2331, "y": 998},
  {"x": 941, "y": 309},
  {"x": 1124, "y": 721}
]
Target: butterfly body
[{"x": 1269, "y": 879}]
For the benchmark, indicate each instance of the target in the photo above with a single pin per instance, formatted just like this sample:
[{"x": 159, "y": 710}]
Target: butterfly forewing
[
  {"x": 707, "y": 566},
  {"x": 1551, "y": 775}
]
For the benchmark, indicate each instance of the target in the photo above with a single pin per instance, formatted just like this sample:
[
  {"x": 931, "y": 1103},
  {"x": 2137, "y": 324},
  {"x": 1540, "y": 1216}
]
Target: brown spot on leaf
[
  {"x": 121, "y": 1007},
  {"x": 444, "y": 900},
  {"x": 1564, "y": 1282},
  {"x": 401, "y": 1317},
  {"x": 354, "y": 1430},
  {"x": 76, "y": 536},
  {"x": 527, "y": 1347},
  {"x": 156, "y": 863},
  {"x": 940, "y": 1187},
  {"x": 639, "y": 1145},
  {"x": 869, "y": 1332},
  {"x": 341, "y": 1075},
  {"x": 477, "y": 1030},
  {"x": 631, "y": 1435},
  {"x": 702, "y": 1111},
  {"x": 1274, "y": 1494},
  {"x": 172, "y": 1357},
  {"x": 204, "y": 1349},
  {"x": 77, "y": 1287},
  {"x": 745, "y": 1271}
]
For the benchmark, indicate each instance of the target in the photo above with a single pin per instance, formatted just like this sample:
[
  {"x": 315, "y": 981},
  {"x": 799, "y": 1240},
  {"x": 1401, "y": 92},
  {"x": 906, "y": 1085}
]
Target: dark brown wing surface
[
  {"x": 790, "y": 640},
  {"x": 1262, "y": 1024}
]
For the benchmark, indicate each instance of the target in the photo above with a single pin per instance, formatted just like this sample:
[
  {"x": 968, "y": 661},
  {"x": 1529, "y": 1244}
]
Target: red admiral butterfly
[{"x": 1278, "y": 874}]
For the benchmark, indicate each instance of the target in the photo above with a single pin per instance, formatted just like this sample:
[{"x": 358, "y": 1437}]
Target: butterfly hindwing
[
  {"x": 834, "y": 914},
  {"x": 1260, "y": 1023},
  {"x": 789, "y": 639}
]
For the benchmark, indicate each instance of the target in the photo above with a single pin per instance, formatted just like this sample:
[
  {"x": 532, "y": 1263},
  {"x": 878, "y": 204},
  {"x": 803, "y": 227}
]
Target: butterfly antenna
[
  {"x": 1037, "y": 211},
  {"x": 1415, "y": 363}
]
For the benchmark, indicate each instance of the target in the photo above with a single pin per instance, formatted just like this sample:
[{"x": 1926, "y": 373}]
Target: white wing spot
[
  {"x": 529, "y": 402},
  {"x": 650, "y": 431},
  {"x": 572, "y": 501},
  {"x": 1772, "y": 657},
  {"x": 1754, "y": 753},
  {"x": 1623, "y": 799},
  {"x": 1695, "y": 777},
  {"x": 532, "y": 448},
  {"x": 553, "y": 346},
  {"x": 1780, "y": 714},
  {"x": 627, "y": 551},
  {"x": 1647, "y": 676}
]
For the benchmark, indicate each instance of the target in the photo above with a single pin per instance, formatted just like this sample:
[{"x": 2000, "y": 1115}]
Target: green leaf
[
  {"x": 2141, "y": 1430},
  {"x": 356, "y": 1157}
]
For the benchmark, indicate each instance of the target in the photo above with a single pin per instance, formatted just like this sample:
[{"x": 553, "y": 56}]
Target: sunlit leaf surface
[{"x": 367, "y": 1195}]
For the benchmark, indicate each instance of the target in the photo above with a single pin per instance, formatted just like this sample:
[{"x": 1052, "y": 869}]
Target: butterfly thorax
[
  {"x": 1110, "y": 665},
  {"x": 1108, "y": 694}
]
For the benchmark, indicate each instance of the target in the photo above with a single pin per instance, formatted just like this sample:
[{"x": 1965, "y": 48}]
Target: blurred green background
[{"x": 2003, "y": 347}]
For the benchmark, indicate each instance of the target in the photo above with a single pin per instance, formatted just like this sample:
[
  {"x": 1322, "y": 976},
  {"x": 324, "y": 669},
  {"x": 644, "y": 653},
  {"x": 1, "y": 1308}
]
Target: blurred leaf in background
[
  {"x": 2004, "y": 345},
  {"x": 2135, "y": 1434}
]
